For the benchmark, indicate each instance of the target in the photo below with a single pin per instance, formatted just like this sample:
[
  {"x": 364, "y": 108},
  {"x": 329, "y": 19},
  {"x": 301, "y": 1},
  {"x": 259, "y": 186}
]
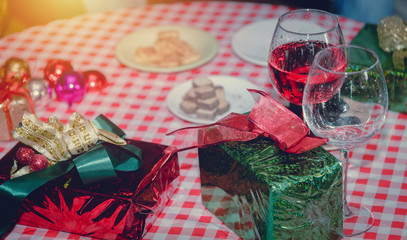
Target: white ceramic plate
[
  {"x": 199, "y": 40},
  {"x": 252, "y": 42},
  {"x": 240, "y": 100}
]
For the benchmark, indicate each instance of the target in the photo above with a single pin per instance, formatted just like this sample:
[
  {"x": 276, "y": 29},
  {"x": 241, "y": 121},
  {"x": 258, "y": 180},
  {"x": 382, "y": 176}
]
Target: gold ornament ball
[{"x": 15, "y": 71}]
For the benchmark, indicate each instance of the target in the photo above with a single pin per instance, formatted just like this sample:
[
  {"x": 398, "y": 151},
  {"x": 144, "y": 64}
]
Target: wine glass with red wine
[
  {"x": 346, "y": 100},
  {"x": 298, "y": 37}
]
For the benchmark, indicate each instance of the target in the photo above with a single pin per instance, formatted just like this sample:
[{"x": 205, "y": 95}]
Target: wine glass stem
[{"x": 345, "y": 163}]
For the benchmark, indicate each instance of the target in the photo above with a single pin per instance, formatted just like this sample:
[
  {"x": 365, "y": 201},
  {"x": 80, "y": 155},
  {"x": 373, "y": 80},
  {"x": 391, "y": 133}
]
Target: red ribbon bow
[{"x": 268, "y": 118}]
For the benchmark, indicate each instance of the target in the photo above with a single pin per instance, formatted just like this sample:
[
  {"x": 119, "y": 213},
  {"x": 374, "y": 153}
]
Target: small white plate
[
  {"x": 198, "y": 39},
  {"x": 240, "y": 100},
  {"x": 252, "y": 42}
]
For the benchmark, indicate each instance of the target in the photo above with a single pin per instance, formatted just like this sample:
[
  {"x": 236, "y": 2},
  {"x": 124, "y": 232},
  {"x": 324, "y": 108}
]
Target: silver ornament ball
[{"x": 38, "y": 89}]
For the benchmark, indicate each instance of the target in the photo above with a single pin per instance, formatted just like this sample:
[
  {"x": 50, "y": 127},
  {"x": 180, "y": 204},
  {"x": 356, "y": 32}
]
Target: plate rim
[
  {"x": 245, "y": 28},
  {"x": 212, "y": 41},
  {"x": 215, "y": 79}
]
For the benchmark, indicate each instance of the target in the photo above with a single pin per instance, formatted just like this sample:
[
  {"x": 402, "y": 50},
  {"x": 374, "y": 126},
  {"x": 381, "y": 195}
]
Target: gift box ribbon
[
  {"x": 97, "y": 164},
  {"x": 267, "y": 118},
  {"x": 6, "y": 95}
]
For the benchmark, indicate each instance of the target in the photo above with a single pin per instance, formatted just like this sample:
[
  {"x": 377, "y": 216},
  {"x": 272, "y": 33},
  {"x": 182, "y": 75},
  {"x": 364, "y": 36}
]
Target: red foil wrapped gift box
[{"x": 122, "y": 208}]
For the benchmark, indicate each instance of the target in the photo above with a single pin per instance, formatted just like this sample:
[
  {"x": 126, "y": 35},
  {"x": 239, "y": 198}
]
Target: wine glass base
[{"x": 360, "y": 221}]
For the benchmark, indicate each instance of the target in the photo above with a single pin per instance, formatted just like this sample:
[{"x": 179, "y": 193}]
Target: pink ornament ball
[
  {"x": 38, "y": 162},
  {"x": 95, "y": 80},
  {"x": 70, "y": 87},
  {"x": 24, "y": 155}
]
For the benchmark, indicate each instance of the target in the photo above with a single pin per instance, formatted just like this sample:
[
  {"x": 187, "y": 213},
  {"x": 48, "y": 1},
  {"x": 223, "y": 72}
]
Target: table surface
[{"x": 135, "y": 101}]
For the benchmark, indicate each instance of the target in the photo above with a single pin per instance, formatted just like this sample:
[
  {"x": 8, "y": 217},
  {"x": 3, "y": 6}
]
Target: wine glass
[
  {"x": 346, "y": 100},
  {"x": 297, "y": 38}
]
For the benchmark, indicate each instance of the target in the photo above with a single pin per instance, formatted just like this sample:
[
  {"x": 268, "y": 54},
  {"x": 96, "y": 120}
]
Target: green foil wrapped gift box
[
  {"x": 265, "y": 177},
  {"x": 261, "y": 192}
]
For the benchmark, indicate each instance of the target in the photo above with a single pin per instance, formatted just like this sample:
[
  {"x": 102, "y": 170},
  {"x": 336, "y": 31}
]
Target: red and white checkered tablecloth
[{"x": 136, "y": 102}]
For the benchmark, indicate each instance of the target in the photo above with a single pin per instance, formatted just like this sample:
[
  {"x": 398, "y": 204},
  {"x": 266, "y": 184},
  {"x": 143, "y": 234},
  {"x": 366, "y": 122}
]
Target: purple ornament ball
[{"x": 70, "y": 87}]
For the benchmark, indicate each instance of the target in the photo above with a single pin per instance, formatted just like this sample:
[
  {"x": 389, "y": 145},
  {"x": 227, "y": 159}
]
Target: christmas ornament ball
[
  {"x": 95, "y": 80},
  {"x": 38, "y": 89},
  {"x": 53, "y": 70},
  {"x": 70, "y": 87},
  {"x": 38, "y": 162},
  {"x": 15, "y": 71},
  {"x": 24, "y": 155}
]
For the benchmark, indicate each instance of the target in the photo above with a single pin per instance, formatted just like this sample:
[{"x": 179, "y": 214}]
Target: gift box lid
[{"x": 276, "y": 168}]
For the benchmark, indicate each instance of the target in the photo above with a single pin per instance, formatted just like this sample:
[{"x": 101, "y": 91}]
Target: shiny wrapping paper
[
  {"x": 114, "y": 209},
  {"x": 265, "y": 176},
  {"x": 262, "y": 192},
  {"x": 396, "y": 78},
  {"x": 18, "y": 105}
]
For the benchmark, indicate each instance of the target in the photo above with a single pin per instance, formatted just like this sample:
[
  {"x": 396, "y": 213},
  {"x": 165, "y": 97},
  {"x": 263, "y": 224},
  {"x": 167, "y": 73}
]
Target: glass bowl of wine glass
[
  {"x": 298, "y": 37},
  {"x": 345, "y": 99}
]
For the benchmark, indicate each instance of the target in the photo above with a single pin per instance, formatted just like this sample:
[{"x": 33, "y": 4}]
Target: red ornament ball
[
  {"x": 38, "y": 162},
  {"x": 54, "y": 69},
  {"x": 95, "y": 80},
  {"x": 24, "y": 155}
]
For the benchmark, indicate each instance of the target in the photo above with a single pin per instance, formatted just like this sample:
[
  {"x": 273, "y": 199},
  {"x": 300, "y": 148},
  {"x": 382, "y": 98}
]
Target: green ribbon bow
[{"x": 98, "y": 164}]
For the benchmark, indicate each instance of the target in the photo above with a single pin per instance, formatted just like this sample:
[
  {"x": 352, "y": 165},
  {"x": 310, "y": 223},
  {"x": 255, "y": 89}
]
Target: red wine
[
  {"x": 289, "y": 65},
  {"x": 326, "y": 80}
]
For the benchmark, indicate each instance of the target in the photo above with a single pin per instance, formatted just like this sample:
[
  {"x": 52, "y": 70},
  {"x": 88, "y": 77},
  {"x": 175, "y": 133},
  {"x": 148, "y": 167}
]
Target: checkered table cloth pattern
[{"x": 136, "y": 102}]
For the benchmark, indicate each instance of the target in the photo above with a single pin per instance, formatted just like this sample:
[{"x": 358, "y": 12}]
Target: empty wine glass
[
  {"x": 346, "y": 100},
  {"x": 298, "y": 37}
]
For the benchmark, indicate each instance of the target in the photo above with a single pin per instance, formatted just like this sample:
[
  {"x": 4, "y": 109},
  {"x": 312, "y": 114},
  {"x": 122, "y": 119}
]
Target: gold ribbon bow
[{"x": 58, "y": 142}]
